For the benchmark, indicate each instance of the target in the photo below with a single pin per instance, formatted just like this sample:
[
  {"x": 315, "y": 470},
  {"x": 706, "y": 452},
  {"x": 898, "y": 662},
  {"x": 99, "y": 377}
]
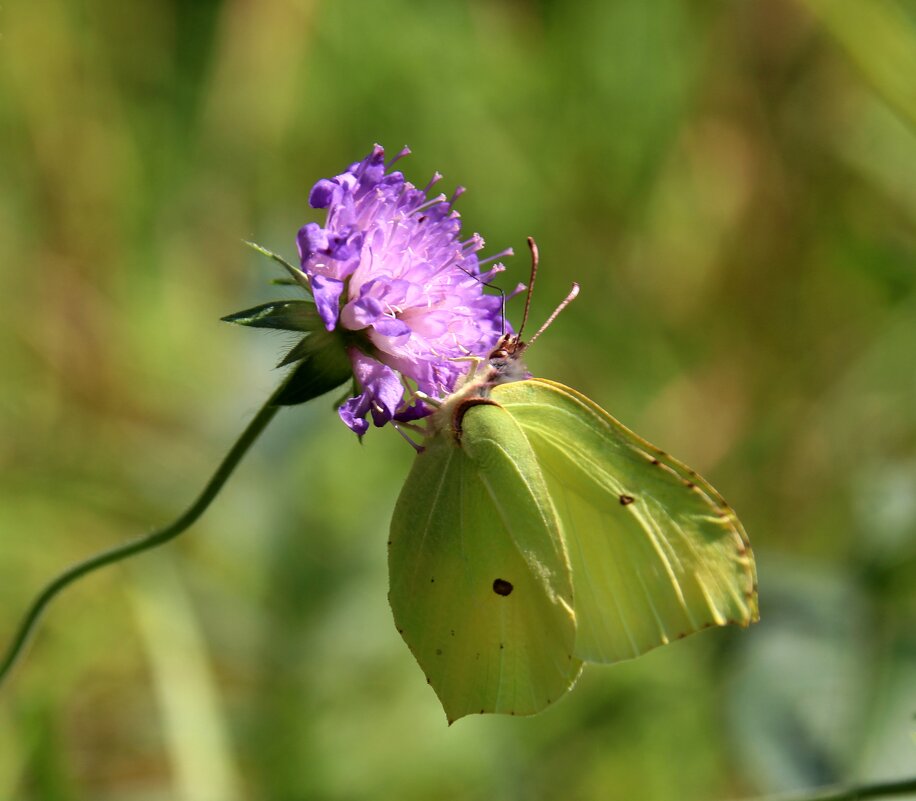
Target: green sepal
[
  {"x": 286, "y": 315},
  {"x": 299, "y": 351},
  {"x": 324, "y": 366},
  {"x": 297, "y": 275}
]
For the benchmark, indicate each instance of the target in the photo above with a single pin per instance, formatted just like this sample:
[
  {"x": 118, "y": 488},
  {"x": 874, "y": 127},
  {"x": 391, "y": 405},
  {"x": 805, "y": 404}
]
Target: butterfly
[{"x": 535, "y": 533}]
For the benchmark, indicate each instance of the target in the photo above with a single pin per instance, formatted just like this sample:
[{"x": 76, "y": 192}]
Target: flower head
[{"x": 389, "y": 263}]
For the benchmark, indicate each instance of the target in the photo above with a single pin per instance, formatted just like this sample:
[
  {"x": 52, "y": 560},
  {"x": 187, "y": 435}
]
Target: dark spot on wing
[
  {"x": 502, "y": 587},
  {"x": 432, "y": 581},
  {"x": 501, "y": 646},
  {"x": 626, "y": 500}
]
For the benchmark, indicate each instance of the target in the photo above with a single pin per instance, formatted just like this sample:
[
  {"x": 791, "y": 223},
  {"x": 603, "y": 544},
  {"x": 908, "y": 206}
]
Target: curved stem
[
  {"x": 854, "y": 793},
  {"x": 156, "y": 538}
]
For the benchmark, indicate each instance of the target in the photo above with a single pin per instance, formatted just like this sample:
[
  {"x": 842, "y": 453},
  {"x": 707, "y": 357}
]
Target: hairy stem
[{"x": 145, "y": 543}]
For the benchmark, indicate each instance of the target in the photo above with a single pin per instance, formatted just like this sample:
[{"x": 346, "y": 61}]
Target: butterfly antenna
[
  {"x": 502, "y": 292},
  {"x": 532, "y": 245},
  {"x": 569, "y": 299}
]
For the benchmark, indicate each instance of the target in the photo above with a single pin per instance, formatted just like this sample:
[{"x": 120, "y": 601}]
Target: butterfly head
[
  {"x": 502, "y": 365},
  {"x": 505, "y": 360}
]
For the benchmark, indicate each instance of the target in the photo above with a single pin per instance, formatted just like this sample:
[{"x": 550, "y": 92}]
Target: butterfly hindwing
[
  {"x": 655, "y": 552},
  {"x": 479, "y": 579}
]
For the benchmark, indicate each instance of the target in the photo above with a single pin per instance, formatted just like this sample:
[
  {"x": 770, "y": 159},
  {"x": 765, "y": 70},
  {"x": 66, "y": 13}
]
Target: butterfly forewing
[
  {"x": 655, "y": 552},
  {"x": 480, "y": 584}
]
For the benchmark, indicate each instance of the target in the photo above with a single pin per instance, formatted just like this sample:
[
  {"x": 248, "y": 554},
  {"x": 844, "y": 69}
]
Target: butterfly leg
[
  {"x": 475, "y": 362},
  {"x": 399, "y": 427},
  {"x": 428, "y": 400}
]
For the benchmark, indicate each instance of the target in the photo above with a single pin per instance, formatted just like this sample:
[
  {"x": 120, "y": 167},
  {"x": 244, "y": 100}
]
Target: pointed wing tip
[
  {"x": 745, "y": 621},
  {"x": 452, "y": 717}
]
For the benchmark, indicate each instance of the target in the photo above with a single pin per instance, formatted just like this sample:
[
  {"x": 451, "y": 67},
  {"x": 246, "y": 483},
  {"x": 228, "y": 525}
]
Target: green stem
[
  {"x": 153, "y": 540},
  {"x": 853, "y": 793}
]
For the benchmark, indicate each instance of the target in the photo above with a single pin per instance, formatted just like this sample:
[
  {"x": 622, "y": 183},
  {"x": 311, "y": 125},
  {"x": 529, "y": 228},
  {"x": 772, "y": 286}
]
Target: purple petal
[
  {"x": 327, "y": 292},
  {"x": 430, "y": 324},
  {"x": 353, "y": 413},
  {"x": 415, "y": 411},
  {"x": 345, "y": 245},
  {"x": 362, "y": 313},
  {"x": 322, "y": 194},
  {"x": 311, "y": 239},
  {"x": 379, "y": 379},
  {"x": 373, "y": 167},
  {"x": 391, "y": 327},
  {"x": 392, "y": 179},
  {"x": 381, "y": 395}
]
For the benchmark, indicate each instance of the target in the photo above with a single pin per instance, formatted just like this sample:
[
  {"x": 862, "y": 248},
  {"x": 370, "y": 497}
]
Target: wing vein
[{"x": 432, "y": 513}]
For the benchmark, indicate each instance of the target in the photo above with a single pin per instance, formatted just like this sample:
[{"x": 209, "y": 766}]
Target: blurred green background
[{"x": 734, "y": 186}]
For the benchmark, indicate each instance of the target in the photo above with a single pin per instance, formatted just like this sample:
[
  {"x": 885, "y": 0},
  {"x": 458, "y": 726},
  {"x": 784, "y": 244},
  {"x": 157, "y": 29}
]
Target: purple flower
[{"x": 389, "y": 264}]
